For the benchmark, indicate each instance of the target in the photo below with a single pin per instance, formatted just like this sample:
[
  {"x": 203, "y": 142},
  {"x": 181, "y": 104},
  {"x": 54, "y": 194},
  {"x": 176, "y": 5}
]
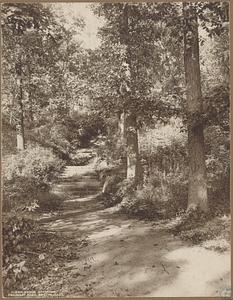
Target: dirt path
[{"x": 130, "y": 257}]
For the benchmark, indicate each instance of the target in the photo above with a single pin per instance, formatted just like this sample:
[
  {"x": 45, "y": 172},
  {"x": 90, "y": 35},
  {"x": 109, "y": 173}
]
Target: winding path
[{"x": 128, "y": 257}]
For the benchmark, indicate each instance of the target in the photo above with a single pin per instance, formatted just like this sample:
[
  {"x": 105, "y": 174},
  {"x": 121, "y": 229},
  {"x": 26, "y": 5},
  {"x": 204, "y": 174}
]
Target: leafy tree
[
  {"x": 128, "y": 66},
  {"x": 49, "y": 84},
  {"x": 211, "y": 18},
  {"x": 22, "y": 26},
  {"x": 197, "y": 170}
]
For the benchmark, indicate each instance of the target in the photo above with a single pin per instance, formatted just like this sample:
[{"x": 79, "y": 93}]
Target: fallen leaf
[{"x": 41, "y": 256}]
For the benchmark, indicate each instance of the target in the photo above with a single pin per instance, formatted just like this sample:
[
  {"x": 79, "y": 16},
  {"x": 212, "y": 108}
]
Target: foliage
[
  {"x": 27, "y": 172},
  {"x": 30, "y": 253},
  {"x": 68, "y": 134},
  {"x": 160, "y": 197},
  {"x": 8, "y": 139},
  {"x": 16, "y": 232},
  {"x": 199, "y": 227},
  {"x": 48, "y": 201},
  {"x": 110, "y": 148},
  {"x": 39, "y": 51},
  {"x": 81, "y": 158},
  {"x": 164, "y": 147},
  {"x": 130, "y": 70},
  {"x": 110, "y": 196},
  {"x": 35, "y": 162},
  {"x": 218, "y": 168},
  {"x": 142, "y": 203}
]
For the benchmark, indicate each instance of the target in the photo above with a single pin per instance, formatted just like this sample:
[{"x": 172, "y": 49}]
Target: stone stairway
[{"x": 78, "y": 185}]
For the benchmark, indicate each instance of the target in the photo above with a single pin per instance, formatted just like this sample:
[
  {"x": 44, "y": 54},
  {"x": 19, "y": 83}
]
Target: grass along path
[{"x": 128, "y": 257}]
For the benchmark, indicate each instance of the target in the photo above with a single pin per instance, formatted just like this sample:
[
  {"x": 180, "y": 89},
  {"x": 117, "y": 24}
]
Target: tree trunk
[
  {"x": 133, "y": 161},
  {"x": 121, "y": 127},
  {"x": 20, "y": 126},
  {"x": 30, "y": 99},
  {"x": 133, "y": 168},
  {"x": 197, "y": 194},
  {"x": 122, "y": 139}
]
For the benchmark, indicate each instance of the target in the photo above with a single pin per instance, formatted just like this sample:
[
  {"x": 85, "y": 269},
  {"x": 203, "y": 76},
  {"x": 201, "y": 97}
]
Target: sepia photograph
[{"x": 115, "y": 157}]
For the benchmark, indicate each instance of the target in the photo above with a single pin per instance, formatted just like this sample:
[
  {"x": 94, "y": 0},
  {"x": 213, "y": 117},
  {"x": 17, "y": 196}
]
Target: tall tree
[
  {"x": 41, "y": 71},
  {"x": 18, "y": 21},
  {"x": 126, "y": 62},
  {"x": 197, "y": 194}
]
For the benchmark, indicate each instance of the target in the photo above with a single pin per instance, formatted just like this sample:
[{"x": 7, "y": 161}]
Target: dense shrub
[
  {"x": 16, "y": 232},
  {"x": 8, "y": 137},
  {"x": 26, "y": 173},
  {"x": 67, "y": 134},
  {"x": 81, "y": 158},
  {"x": 31, "y": 253},
  {"x": 48, "y": 201},
  {"x": 164, "y": 148},
  {"x": 161, "y": 196},
  {"x": 218, "y": 169},
  {"x": 142, "y": 203},
  {"x": 199, "y": 227},
  {"x": 111, "y": 196}
]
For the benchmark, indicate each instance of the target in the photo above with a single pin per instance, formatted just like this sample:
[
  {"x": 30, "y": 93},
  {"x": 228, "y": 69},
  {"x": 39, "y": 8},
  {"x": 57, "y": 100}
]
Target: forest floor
[{"x": 126, "y": 257}]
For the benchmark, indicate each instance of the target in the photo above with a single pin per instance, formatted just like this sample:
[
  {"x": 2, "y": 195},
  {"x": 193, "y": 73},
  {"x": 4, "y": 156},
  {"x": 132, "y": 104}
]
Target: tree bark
[
  {"x": 121, "y": 127},
  {"x": 20, "y": 126},
  {"x": 30, "y": 99},
  {"x": 131, "y": 133},
  {"x": 121, "y": 136},
  {"x": 133, "y": 162},
  {"x": 197, "y": 193}
]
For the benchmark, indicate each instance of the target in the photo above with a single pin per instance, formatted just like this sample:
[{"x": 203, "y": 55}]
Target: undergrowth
[
  {"x": 30, "y": 253},
  {"x": 212, "y": 232}
]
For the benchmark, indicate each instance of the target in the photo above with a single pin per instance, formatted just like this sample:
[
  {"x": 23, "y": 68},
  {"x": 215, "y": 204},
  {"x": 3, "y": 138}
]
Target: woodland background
[{"x": 150, "y": 103}]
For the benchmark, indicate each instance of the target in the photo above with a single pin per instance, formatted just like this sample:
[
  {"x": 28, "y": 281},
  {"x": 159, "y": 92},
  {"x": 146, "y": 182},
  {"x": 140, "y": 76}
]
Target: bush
[
  {"x": 218, "y": 169},
  {"x": 199, "y": 227},
  {"x": 31, "y": 253},
  {"x": 110, "y": 196},
  {"x": 26, "y": 173},
  {"x": 161, "y": 196},
  {"x": 48, "y": 201},
  {"x": 81, "y": 158},
  {"x": 142, "y": 203},
  {"x": 16, "y": 232}
]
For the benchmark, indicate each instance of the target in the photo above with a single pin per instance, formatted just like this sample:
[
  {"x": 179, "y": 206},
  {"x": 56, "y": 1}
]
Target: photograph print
[{"x": 115, "y": 149}]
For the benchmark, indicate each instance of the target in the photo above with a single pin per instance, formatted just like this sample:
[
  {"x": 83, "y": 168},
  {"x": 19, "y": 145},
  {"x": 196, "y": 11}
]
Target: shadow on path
[{"x": 128, "y": 257}]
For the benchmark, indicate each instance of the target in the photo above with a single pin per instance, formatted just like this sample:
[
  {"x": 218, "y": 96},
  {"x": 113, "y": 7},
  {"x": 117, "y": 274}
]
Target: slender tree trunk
[
  {"x": 133, "y": 161},
  {"x": 131, "y": 133},
  {"x": 121, "y": 143},
  {"x": 197, "y": 194},
  {"x": 20, "y": 126},
  {"x": 121, "y": 126},
  {"x": 30, "y": 98}
]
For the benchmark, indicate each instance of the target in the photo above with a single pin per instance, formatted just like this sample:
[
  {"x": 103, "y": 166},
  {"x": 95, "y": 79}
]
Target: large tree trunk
[
  {"x": 133, "y": 161},
  {"x": 197, "y": 194},
  {"x": 20, "y": 126},
  {"x": 133, "y": 169}
]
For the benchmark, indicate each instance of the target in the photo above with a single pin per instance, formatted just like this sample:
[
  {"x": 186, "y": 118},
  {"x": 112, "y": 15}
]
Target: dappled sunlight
[
  {"x": 200, "y": 267},
  {"x": 130, "y": 257},
  {"x": 81, "y": 199},
  {"x": 99, "y": 258},
  {"x": 72, "y": 171},
  {"x": 105, "y": 233},
  {"x": 138, "y": 276}
]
